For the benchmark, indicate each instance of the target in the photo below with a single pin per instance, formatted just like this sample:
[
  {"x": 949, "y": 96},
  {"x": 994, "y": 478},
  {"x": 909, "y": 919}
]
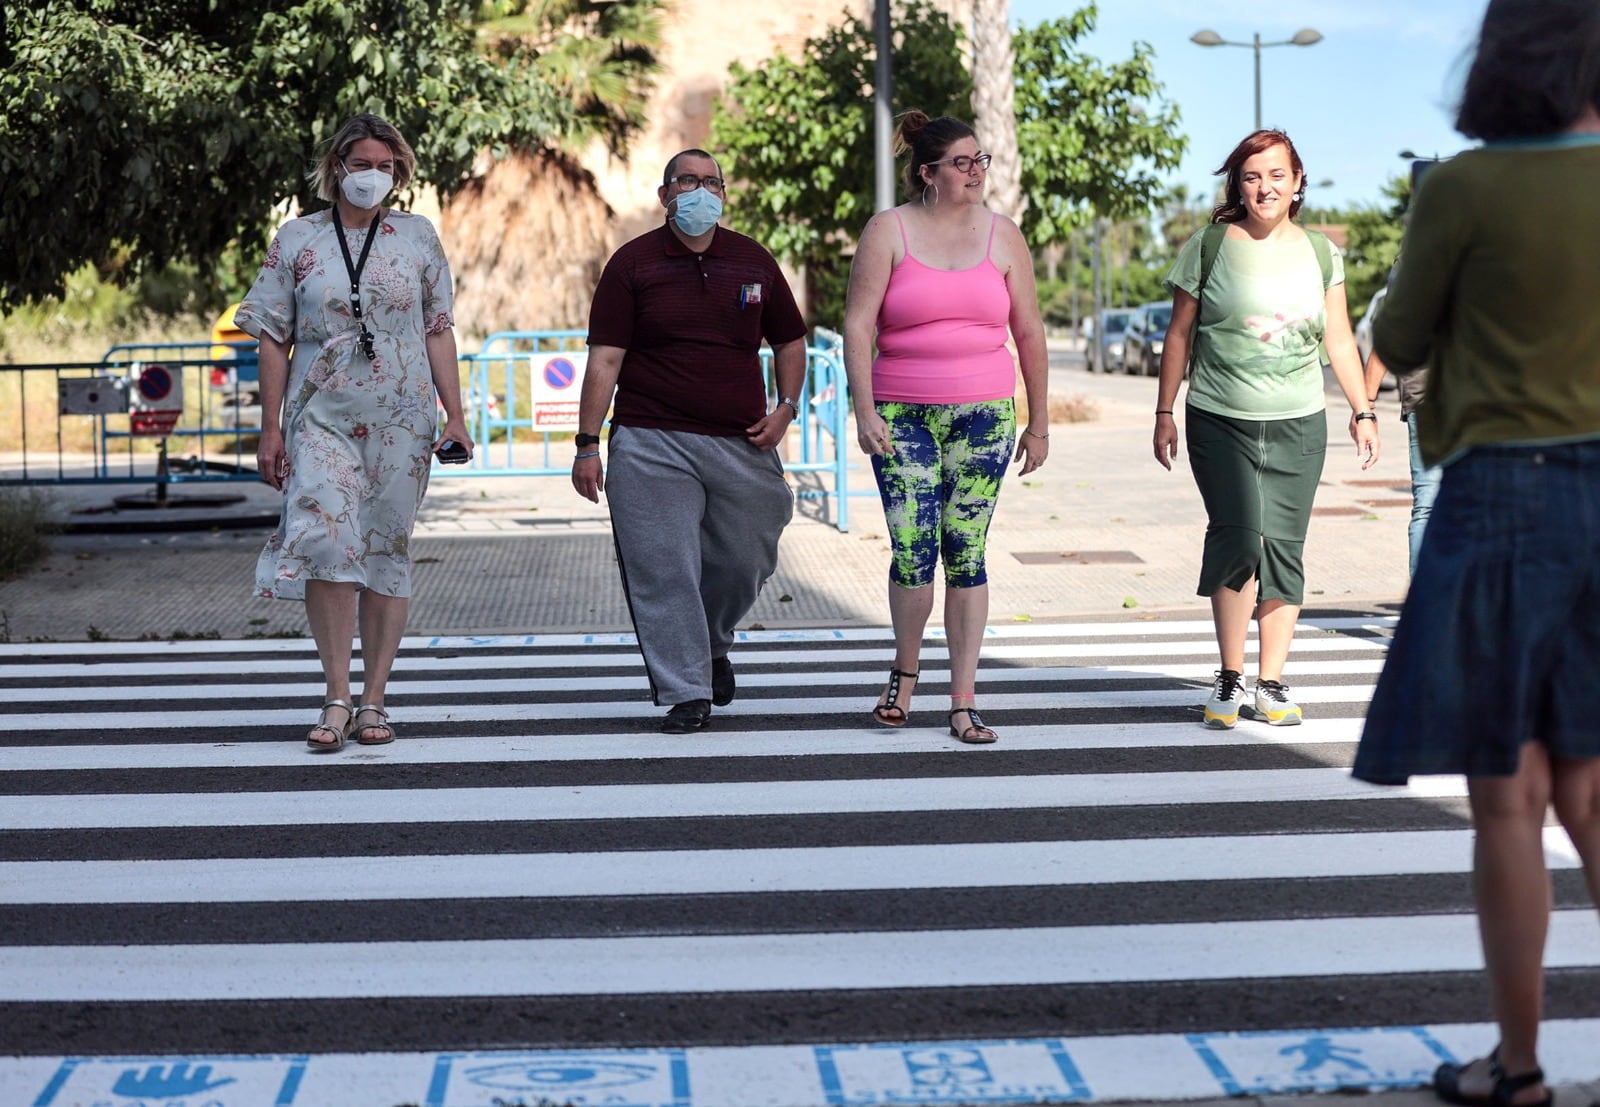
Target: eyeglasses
[
  {"x": 689, "y": 182},
  {"x": 963, "y": 163}
]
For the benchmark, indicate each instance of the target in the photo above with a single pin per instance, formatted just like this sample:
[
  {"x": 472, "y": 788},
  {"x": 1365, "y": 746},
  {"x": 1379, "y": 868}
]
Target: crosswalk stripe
[
  {"x": 774, "y": 962},
  {"x": 708, "y": 872}
]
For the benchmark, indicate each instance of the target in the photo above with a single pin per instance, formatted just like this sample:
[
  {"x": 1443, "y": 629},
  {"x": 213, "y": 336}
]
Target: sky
[{"x": 1383, "y": 79}]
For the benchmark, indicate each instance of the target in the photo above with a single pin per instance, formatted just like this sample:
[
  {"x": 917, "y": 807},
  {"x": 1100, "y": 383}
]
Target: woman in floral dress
[{"x": 353, "y": 312}]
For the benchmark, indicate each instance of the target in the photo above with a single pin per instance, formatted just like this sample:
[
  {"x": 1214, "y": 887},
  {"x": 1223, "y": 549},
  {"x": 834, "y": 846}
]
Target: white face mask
[
  {"x": 697, "y": 212},
  {"x": 367, "y": 188}
]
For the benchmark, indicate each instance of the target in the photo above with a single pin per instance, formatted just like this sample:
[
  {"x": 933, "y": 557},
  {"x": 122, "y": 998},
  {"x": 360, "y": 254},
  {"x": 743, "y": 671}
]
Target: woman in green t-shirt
[{"x": 1267, "y": 295}]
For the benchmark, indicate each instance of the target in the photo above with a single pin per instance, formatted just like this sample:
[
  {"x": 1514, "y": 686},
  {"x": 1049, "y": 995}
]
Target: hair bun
[{"x": 911, "y": 125}]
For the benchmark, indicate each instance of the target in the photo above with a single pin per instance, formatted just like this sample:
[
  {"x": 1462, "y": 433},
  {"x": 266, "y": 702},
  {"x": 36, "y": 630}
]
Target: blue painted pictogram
[
  {"x": 1278, "y": 1062},
  {"x": 581, "y": 1078},
  {"x": 159, "y": 1081},
  {"x": 218, "y": 1081},
  {"x": 968, "y": 1073},
  {"x": 1320, "y": 1051},
  {"x": 155, "y": 382},
  {"x": 560, "y": 373}
]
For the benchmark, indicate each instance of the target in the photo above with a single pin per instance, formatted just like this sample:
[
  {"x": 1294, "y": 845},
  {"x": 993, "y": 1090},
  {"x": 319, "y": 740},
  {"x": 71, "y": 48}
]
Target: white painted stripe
[
  {"x": 464, "y": 749},
  {"x": 637, "y": 801},
  {"x": 1154, "y": 627},
  {"x": 709, "y": 872},
  {"x": 846, "y": 708},
  {"x": 467, "y": 689},
  {"x": 777, "y": 962},
  {"x": 589, "y": 661}
]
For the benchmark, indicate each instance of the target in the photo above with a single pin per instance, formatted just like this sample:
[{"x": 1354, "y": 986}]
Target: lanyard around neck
[{"x": 355, "y": 269}]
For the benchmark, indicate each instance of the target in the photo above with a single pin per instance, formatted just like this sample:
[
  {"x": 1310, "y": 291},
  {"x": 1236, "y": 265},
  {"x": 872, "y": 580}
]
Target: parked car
[
  {"x": 1104, "y": 348},
  {"x": 1364, "y": 337},
  {"x": 1141, "y": 342}
]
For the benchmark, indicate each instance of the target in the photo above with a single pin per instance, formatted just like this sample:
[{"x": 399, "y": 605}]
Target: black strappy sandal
[
  {"x": 976, "y": 734},
  {"x": 1447, "y": 1085},
  {"x": 891, "y": 702}
]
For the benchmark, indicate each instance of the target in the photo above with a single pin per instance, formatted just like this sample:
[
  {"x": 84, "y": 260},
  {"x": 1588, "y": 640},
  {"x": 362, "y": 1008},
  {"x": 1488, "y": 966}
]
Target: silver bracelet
[{"x": 591, "y": 453}]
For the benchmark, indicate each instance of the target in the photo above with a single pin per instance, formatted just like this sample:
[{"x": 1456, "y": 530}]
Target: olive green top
[{"x": 1500, "y": 296}]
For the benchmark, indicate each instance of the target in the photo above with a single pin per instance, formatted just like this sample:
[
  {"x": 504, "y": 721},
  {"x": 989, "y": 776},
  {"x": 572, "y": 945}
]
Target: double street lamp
[{"x": 1306, "y": 36}]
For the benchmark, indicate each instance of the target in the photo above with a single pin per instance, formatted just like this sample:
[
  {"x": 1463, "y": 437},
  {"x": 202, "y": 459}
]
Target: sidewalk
[{"x": 1101, "y": 531}]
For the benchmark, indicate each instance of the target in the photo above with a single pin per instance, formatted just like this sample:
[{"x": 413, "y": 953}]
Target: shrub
[{"x": 27, "y": 520}]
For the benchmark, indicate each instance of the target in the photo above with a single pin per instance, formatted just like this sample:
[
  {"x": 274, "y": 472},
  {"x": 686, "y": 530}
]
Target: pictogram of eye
[{"x": 560, "y": 1074}]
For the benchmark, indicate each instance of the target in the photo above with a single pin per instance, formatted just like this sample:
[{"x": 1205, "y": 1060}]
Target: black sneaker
[
  {"x": 722, "y": 682},
  {"x": 686, "y": 718}
]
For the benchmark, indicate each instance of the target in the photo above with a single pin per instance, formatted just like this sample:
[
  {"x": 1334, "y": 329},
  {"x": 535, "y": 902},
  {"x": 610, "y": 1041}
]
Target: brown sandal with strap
[{"x": 891, "y": 702}]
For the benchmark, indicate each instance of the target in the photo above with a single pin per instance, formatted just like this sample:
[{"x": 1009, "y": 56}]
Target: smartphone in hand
[{"x": 451, "y": 452}]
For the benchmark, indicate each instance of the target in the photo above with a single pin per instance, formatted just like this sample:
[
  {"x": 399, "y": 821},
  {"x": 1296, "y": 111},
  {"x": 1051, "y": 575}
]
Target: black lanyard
[{"x": 355, "y": 273}]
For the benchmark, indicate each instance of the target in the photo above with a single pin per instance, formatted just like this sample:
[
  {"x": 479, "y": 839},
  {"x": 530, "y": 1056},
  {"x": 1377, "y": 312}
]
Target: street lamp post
[{"x": 1306, "y": 36}]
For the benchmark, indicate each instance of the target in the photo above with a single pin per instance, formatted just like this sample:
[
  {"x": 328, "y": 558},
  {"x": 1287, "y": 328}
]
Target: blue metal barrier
[
  {"x": 222, "y": 401},
  {"x": 499, "y": 382}
]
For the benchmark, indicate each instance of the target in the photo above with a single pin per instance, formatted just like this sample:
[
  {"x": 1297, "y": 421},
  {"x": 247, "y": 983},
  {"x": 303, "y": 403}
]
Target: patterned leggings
[{"x": 939, "y": 486}]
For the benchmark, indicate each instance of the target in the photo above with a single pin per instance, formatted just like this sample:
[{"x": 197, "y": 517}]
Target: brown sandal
[
  {"x": 361, "y": 729},
  {"x": 340, "y": 733},
  {"x": 891, "y": 702}
]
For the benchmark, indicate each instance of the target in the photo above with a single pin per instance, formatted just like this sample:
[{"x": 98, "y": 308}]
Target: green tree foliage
[
  {"x": 599, "y": 56},
  {"x": 800, "y": 134},
  {"x": 800, "y": 137},
  {"x": 1093, "y": 136},
  {"x": 1372, "y": 244},
  {"x": 165, "y": 129}
]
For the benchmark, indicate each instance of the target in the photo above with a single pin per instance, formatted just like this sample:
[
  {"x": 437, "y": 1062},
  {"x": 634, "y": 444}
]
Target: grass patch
[{"x": 27, "y": 521}]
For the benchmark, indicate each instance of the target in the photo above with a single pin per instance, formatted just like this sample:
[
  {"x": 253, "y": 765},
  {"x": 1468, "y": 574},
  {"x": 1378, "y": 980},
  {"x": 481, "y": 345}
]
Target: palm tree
[
  {"x": 599, "y": 55},
  {"x": 993, "y": 107}
]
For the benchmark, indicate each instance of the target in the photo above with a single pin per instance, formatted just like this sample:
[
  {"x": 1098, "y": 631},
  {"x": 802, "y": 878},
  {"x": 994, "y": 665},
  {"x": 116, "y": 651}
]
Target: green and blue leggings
[{"x": 939, "y": 484}]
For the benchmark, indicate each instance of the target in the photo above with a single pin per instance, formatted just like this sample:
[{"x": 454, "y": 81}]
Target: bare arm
[
  {"x": 599, "y": 384},
  {"x": 789, "y": 370},
  {"x": 1174, "y": 360},
  {"x": 869, "y": 280},
  {"x": 272, "y": 368},
  {"x": 1033, "y": 359},
  {"x": 1374, "y": 376},
  {"x": 1346, "y": 363},
  {"x": 445, "y": 367}
]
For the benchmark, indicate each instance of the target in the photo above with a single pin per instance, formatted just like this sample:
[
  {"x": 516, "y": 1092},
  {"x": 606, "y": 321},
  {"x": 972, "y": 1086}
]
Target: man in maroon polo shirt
[{"x": 695, "y": 489}]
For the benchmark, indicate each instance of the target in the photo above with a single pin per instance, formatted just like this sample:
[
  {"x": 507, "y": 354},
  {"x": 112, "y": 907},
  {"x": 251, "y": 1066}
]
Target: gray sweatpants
[{"x": 696, "y": 521}]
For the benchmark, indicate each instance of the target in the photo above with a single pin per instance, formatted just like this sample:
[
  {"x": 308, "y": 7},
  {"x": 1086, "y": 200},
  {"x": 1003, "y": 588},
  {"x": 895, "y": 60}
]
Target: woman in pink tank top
[{"x": 937, "y": 285}]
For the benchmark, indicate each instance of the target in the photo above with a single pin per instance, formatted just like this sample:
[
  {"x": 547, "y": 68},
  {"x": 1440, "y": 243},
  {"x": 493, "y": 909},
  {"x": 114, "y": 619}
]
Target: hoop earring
[{"x": 925, "y": 188}]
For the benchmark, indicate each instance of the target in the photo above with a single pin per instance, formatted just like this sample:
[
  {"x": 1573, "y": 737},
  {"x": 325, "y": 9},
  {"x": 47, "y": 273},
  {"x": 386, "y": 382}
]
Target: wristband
[
  {"x": 581, "y": 440},
  {"x": 1360, "y": 415},
  {"x": 1166, "y": 412},
  {"x": 591, "y": 453}
]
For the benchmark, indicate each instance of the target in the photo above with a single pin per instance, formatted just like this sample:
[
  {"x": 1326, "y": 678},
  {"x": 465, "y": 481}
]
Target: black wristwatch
[{"x": 581, "y": 440}]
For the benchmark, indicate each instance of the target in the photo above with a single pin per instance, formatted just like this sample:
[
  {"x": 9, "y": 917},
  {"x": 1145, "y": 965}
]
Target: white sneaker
[
  {"x": 1227, "y": 693},
  {"x": 1273, "y": 704}
]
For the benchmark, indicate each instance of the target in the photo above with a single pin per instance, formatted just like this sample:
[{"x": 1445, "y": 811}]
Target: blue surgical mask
[{"x": 697, "y": 212}]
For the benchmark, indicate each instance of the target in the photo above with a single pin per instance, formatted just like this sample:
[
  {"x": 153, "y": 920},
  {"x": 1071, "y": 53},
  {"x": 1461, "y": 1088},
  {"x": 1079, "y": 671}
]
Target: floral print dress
[{"x": 356, "y": 432}]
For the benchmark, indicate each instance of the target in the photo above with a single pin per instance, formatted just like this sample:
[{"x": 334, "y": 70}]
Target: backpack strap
[
  {"x": 1324, "y": 249},
  {"x": 1210, "y": 246}
]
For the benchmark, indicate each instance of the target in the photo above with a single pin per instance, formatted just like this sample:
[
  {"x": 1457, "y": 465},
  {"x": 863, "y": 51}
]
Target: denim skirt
[{"x": 1499, "y": 640}]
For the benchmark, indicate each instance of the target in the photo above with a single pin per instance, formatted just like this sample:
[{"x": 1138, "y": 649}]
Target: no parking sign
[
  {"x": 555, "y": 381},
  {"x": 155, "y": 400}
]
